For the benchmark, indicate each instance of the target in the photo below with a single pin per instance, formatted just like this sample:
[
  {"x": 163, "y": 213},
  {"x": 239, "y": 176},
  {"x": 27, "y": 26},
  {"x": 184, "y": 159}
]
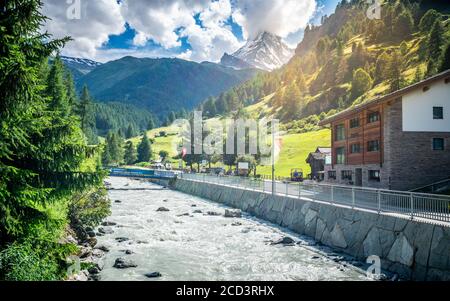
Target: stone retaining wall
[{"x": 414, "y": 250}]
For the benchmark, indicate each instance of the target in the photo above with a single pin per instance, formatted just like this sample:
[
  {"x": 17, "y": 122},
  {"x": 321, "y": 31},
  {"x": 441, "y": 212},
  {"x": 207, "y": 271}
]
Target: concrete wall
[{"x": 414, "y": 250}]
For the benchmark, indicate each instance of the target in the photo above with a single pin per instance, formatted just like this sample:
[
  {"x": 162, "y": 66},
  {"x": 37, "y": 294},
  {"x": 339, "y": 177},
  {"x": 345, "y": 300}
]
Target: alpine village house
[{"x": 400, "y": 141}]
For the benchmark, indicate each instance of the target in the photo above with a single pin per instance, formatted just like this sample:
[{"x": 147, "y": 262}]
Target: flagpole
[{"x": 273, "y": 158}]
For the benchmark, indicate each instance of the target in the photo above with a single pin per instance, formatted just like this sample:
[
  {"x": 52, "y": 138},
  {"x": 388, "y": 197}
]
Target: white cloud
[
  {"x": 99, "y": 19},
  {"x": 166, "y": 22},
  {"x": 280, "y": 17}
]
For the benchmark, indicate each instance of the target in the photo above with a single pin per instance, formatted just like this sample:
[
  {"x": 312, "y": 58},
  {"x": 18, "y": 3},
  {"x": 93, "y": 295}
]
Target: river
[{"x": 187, "y": 246}]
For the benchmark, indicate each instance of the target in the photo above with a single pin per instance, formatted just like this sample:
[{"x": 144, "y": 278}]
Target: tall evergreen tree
[
  {"x": 361, "y": 83},
  {"x": 444, "y": 63},
  {"x": 144, "y": 149},
  {"x": 428, "y": 20},
  {"x": 113, "y": 150},
  {"x": 151, "y": 124},
  {"x": 434, "y": 44},
  {"x": 72, "y": 97},
  {"x": 130, "y": 133},
  {"x": 56, "y": 89},
  {"x": 396, "y": 80},
  {"x": 87, "y": 116},
  {"x": 130, "y": 156}
]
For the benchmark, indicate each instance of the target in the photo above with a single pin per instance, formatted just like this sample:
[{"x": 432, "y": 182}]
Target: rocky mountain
[
  {"x": 161, "y": 85},
  {"x": 267, "y": 52},
  {"x": 78, "y": 66}
]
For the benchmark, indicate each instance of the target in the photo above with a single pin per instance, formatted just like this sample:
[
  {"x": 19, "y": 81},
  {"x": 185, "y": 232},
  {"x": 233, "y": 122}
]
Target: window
[
  {"x": 332, "y": 175},
  {"x": 373, "y": 117},
  {"x": 373, "y": 146},
  {"x": 355, "y": 148},
  {"x": 438, "y": 144},
  {"x": 354, "y": 123},
  {"x": 340, "y": 132},
  {"x": 340, "y": 155},
  {"x": 438, "y": 113},
  {"x": 347, "y": 175},
  {"x": 374, "y": 175}
]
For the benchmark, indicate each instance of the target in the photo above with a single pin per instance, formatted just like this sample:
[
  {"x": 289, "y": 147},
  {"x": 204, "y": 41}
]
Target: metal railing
[{"x": 414, "y": 205}]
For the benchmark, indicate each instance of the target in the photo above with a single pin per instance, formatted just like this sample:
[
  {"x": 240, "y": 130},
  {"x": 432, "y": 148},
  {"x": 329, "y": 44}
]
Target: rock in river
[
  {"x": 285, "y": 241},
  {"x": 162, "y": 209},
  {"x": 153, "y": 275},
  {"x": 122, "y": 263},
  {"x": 233, "y": 213},
  {"x": 109, "y": 224},
  {"x": 122, "y": 239},
  {"x": 105, "y": 230},
  {"x": 211, "y": 213}
]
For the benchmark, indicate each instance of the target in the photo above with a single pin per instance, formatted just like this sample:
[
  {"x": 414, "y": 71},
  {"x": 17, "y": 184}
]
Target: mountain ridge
[{"x": 160, "y": 85}]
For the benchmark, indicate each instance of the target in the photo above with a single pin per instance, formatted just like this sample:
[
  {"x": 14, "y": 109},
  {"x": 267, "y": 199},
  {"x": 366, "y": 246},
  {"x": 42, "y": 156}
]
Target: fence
[{"x": 415, "y": 205}]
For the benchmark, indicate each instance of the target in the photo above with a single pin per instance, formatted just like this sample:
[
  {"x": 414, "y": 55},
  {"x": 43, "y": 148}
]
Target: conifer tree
[
  {"x": 130, "y": 133},
  {"x": 151, "y": 124},
  {"x": 87, "y": 117},
  {"x": 56, "y": 89},
  {"x": 144, "y": 149},
  {"x": 444, "y": 63},
  {"x": 434, "y": 44},
  {"x": 130, "y": 156}
]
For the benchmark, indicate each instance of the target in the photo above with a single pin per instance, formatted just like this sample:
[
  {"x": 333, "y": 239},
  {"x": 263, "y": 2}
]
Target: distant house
[
  {"x": 400, "y": 141},
  {"x": 317, "y": 160}
]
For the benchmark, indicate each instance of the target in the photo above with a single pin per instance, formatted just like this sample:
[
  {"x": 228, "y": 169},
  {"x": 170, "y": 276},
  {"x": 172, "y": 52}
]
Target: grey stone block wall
[
  {"x": 414, "y": 250},
  {"x": 409, "y": 156}
]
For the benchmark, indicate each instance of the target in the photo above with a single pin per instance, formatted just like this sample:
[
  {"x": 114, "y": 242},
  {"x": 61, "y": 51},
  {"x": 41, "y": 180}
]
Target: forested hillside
[{"x": 347, "y": 60}]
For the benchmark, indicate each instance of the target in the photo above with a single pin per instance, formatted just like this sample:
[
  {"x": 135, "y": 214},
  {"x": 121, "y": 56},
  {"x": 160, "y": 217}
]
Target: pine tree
[
  {"x": 151, "y": 124},
  {"x": 444, "y": 63},
  {"x": 292, "y": 102},
  {"x": 72, "y": 97},
  {"x": 56, "y": 89},
  {"x": 87, "y": 116},
  {"x": 130, "y": 156},
  {"x": 434, "y": 44},
  {"x": 221, "y": 104},
  {"x": 301, "y": 83},
  {"x": 418, "y": 76},
  {"x": 396, "y": 80},
  {"x": 362, "y": 82},
  {"x": 114, "y": 149},
  {"x": 404, "y": 25},
  {"x": 130, "y": 133},
  {"x": 144, "y": 149},
  {"x": 428, "y": 20}
]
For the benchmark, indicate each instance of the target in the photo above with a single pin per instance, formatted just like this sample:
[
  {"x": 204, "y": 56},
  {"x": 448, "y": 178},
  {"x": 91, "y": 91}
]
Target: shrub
[
  {"x": 34, "y": 261},
  {"x": 89, "y": 208}
]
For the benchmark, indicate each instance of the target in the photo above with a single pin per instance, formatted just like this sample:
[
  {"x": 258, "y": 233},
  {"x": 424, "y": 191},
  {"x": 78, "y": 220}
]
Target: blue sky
[{"x": 191, "y": 29}]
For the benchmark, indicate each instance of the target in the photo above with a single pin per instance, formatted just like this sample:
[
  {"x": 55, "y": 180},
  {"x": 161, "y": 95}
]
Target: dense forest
[
  {"x": 347, "y": 60},
  {"x": 51, "y": 182}
]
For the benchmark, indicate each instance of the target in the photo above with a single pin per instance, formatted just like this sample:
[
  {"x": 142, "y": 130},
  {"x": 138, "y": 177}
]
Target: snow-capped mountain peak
[
  {"x": 82, "y": 65},
  {"x": 267, "y": 52}
]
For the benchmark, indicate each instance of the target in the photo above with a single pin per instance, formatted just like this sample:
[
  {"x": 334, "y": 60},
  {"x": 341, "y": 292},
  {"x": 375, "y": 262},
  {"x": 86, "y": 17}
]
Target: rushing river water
[{"x": 183, "y": 245}]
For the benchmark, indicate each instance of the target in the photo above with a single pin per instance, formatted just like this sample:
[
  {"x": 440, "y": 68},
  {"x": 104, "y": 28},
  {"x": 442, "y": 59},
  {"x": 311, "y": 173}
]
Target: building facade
[
  {"x": 317, "y": 160},
  {"x": 400, "y": 141}
]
